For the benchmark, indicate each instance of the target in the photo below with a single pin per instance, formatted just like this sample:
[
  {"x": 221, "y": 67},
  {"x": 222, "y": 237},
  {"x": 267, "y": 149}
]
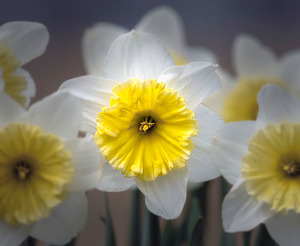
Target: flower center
[
  {"x": 240, "y": 104},
  {"x": 22, "y": 170},
  {"x": 146, "y": 125},
  {"x": 272, "y": 166},
  {"x": 146, "y": 132},
  {"x": 14, "y": 85},
  {"x": 292, "y": 168},
  {"x": 35, "y": 171}
]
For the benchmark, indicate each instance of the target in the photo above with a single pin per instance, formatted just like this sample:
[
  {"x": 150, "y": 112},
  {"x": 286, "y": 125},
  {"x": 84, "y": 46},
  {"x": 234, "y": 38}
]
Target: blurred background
[{"x": 212, "y": 24}]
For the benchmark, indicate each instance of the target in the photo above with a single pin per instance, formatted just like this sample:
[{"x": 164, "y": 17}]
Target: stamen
[
  {"x": 146, "y": 125},
  {"x": 291, "y": 168},
  {"x": 22, "y": 170}
]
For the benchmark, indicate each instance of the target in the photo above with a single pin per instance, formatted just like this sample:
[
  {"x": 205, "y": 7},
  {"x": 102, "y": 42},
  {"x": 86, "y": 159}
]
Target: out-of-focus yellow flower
[
  {"x": 256, "y": 66},
  {"x": 20, "y": 42},
  {"x": 42, "y": 175},
  {"x": 261, "y": 159}
]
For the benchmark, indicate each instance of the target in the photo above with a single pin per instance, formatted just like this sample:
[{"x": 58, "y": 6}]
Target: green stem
[
  {"x": 30, "y": 241},
  {"x": 151, "y": 232},
  {"x": 110, "y": 238},
  {"x": 135, "y": 218}
]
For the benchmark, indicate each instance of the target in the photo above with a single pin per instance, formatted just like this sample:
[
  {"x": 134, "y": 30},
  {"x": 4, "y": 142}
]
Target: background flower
[
  {"x": 45, "y": 170},
  {"x": 255, "y": 66},
  {"x": 98, "y": 39},
  {"x": 260, "y": 159},
  {"x": 20, "y": 42}
]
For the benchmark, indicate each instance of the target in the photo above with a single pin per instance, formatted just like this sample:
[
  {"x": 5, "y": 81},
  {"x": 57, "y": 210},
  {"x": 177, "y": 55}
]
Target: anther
[
  {"x": 22, "y": 170},
  {"x": 146, "y": 125},
  {"x": 291, "y": 168}
]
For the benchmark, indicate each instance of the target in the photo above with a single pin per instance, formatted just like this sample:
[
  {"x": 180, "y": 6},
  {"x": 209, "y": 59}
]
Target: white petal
[
  {"x": 30, "y": 91},
  {"x": 216, "y": 101},
  {"x": 64, "y": 222},
  {"x": 251, "y": 58},
  {"x": 284, "y": 228},
  {"x": 136, "y": 55},
  {"x": 96, "y": 43},
  {"x": 166, "y": 195},
  {"x": 13, "y": 235},
  {"x": 87, "y": 161},
  {"x": 194, "y": 54},
  {"x": 201, "y": 167},
  {"x": 290, "y": 71},
  {"x": 194, "y": 82},
  {"x": 59, "y": 113},
  {"x": 94, "y": 93},
  {"x": 113, "y": 180},
  {"x": 229, "y": 146},
  {"x": 28, "y": 40},
  {"x": 240, "y": 211},
  {"x": 165, "y": 24},
  {"x": 10, "y": 110},
  {"x": 276, "y": 105}
]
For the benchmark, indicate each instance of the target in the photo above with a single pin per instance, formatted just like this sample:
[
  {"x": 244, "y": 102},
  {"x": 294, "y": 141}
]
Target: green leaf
[
  {"x": 135, "y": 218},
  {"x": 195, "y": 220},
  {"x": 197, "y": 235},
  {"x": 30, "y": 241},
  {"x": 151, "y": 232},
  {"x": 227, "y": 239},
  {"x": 169, "y": 234},
  {"x": 110, "y": 237},
  {"x": 71, "y": 243}
]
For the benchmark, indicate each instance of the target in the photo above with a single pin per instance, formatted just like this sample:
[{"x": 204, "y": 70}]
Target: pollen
[
  {"x": 271, "y": 167},
  {"x": 146, "y": 132},
  {"x": 146, "y": 125},
  {"x": 35, "y": 171},
  {"x": 22, "y": 170}
]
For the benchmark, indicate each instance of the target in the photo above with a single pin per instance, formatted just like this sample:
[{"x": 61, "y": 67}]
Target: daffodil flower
[
  {"x": 148, "y": 121},
  {"x": 162, "y": 22},
  {"x": 256, "y": 66},
  {"x": 261, "y": 159},
  {"x": 20, "y": 42},
  {"x": 44, "y": 170}
]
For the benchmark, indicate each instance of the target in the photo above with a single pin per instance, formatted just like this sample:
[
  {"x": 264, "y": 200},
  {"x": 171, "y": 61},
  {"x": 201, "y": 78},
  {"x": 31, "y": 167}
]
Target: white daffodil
[
  {"x": 148, "y": 121},
  {"x": 20, "y": 42},
  {"x": 256, "y": 66},
  {"x": 44, "y": 170},
  {"x": 162, "y": 22},
  {"x": 261, "y": 159}
]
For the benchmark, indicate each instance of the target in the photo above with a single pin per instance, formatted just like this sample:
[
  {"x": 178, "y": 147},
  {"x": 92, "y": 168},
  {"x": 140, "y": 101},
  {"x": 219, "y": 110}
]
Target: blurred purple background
[{"x": 212, "y": 24}]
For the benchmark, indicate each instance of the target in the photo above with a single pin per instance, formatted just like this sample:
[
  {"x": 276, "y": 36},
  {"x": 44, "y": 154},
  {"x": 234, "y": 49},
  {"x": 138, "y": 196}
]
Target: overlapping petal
[
  {"x": 10, "y": 109},
  {"x": 96, "y": 43},
  {"x": 252, "y": 59},
  {"x": 160, "y": 19},
  {"x": 201, "y": 167},
  {"x": 166, "y": 195},
  {"x": 64, "y": 222},
  {"x": 276, "y": 105},
  {"x": 59, "y": 113},
  {"x": 241, "y": 212},
  {"x": 27, "y": 39},
  {"x": 136, "y": 55},
  {"x": 94, "y": 93},
  {"x": 230, "y": 144},
  {"x": 195, "y": 81}
]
